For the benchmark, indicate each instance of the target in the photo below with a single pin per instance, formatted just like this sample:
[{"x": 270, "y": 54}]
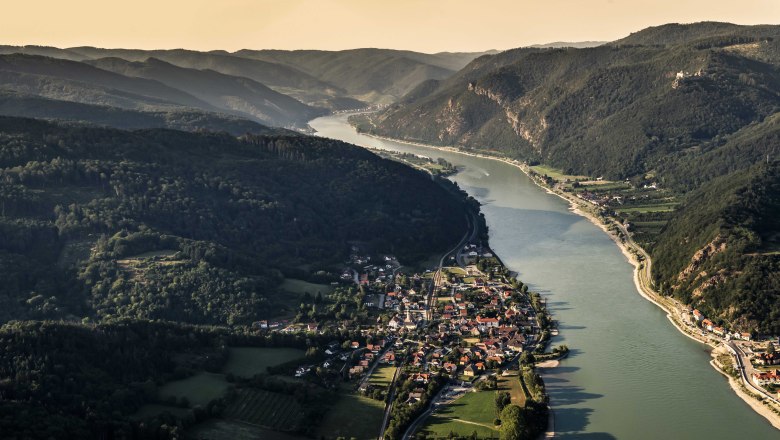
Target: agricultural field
[
  {"x": 221, "y": 429},
  {"x": 249, "y": 361},
  {"x": 648, "y": 208},
  {"x": 382, "y": 376},
  {"x": 475, "y": 411},
  {"x": 199, "y": 389},
  {"x": 264, "y": 408},
  {"x": 353, "y": 416}
]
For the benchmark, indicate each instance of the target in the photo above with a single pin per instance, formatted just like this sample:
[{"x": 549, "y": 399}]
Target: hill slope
[
  {"x": 378, "y": 76},
  {"x": 162, "y": 224},
  {"x": 32, "y": 106},
  {"x": 721, "y": 252},
  {"x": 79, "y": 82},
  {"x": 241, "y": 96},
  {"x": 609, "y": 111},
  {"x": 679, "y": 105}
]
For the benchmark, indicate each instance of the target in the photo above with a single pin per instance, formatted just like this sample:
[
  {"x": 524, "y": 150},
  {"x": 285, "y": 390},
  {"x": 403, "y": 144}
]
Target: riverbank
[
  {"x": 739, "y": 388},
  {"x": 639, "y": 259}
]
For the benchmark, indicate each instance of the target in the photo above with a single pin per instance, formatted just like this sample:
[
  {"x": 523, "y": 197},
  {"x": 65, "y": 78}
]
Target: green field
[
  {"x": 382, "y": 376},
  {"x": 199, "y": 389},
  {"x": 657, "y": 207},
  {"x": 248, "y": 361},
  {"x": 221, "y": 429},
  {"x": 515, "y": 388},
  {"x": 459, "y": 271},
  {"x": 603, "y": 186},
  {"x": 472, "y": 412},
  {"x": 353, "y": 416},
  {"x": 555, "y": 173},
  {"x": 300, "y": 287},
  {"x": 265, "y": 408}
]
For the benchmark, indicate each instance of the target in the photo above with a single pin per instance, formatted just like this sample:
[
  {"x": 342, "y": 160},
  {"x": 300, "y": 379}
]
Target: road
[
  {"x": 377, "y": 361},
  {"x": 418, "y": 421},
  {"x": 389, "y": 406},
  {"x": 746, "y": 370},
  {"x": 470, "y": 235}
]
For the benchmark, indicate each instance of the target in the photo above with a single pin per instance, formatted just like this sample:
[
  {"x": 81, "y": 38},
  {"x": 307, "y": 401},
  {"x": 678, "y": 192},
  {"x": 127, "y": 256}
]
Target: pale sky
[{"x": 421, "y": 25}]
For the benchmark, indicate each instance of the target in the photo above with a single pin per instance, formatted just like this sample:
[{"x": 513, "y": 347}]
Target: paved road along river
[{"x": 630, "y": 374}]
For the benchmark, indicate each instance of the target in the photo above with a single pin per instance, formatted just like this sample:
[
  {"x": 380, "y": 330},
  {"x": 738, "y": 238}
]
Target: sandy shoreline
[
  {"x": 747, "y": 397},
  {"x": 645, "y": 291}
]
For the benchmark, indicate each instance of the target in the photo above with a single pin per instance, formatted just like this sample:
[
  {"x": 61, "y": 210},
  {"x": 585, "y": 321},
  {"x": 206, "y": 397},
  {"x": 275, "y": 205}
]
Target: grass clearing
[
  {"x": 442, "y": 426},
  {"x": 382, "y": 375},
  {"x": 459, "y": 271},
  {"x": 353, "y": 416},
  {"x": 512, "y": 384},
  {"x": 221, "y": 429},
  {"x": 471, "y": 412},
  {"x": 199, "y": 389},
  {"x": 249, "y": 361},
  {"x": 300, "y": 287}
]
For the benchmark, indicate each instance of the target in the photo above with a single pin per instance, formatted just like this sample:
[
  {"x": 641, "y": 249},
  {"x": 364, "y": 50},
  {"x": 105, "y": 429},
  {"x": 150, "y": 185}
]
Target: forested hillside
[
  {"x": 721, "y": 252},
  {"x": 612, "y": 111},
  {"x": 33, "y": 106},
  {"x": 161, "y": 224},
  {"x": 675, "y": 106}
]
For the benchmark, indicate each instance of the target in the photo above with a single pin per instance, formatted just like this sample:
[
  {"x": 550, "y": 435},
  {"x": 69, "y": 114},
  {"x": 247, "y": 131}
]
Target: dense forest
[
  {"x": 218, "y": 220},
  {"x": 675, "y": 106}
]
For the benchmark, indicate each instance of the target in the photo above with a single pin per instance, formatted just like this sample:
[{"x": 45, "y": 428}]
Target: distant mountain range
[
  {"x": 681, "y": 105},
  {"x": 273, "y": 88}
]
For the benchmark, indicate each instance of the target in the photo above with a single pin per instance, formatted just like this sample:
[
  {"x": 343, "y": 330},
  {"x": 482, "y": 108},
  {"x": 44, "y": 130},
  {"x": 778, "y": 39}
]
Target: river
[{"x": 630, "y": 374}]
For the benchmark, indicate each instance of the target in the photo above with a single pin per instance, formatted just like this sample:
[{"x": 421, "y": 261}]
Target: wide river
[{"x": 630, "y": 374}]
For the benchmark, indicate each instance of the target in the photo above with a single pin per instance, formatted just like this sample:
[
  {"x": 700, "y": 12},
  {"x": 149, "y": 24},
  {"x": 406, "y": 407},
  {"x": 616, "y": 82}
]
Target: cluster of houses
[
  {"x": 360, "y": 267},
  {"x": 410, "y": 300},
  {"x": 471, "y": 252},
  {"x": 696, "y": 317},
  {"x": 474, "y": 324},
  {"x": 487, "y": 314},
  {"x": 767, "y": 359},
  {"x": 370, "y": 355}
]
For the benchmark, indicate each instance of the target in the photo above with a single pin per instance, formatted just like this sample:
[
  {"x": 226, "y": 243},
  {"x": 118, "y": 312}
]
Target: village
[{"x": 421, "y": 340}]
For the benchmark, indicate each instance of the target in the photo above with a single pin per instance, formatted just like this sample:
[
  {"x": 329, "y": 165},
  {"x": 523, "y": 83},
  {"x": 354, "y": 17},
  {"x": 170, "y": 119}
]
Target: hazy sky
[{"x": 422, "y": 25}]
